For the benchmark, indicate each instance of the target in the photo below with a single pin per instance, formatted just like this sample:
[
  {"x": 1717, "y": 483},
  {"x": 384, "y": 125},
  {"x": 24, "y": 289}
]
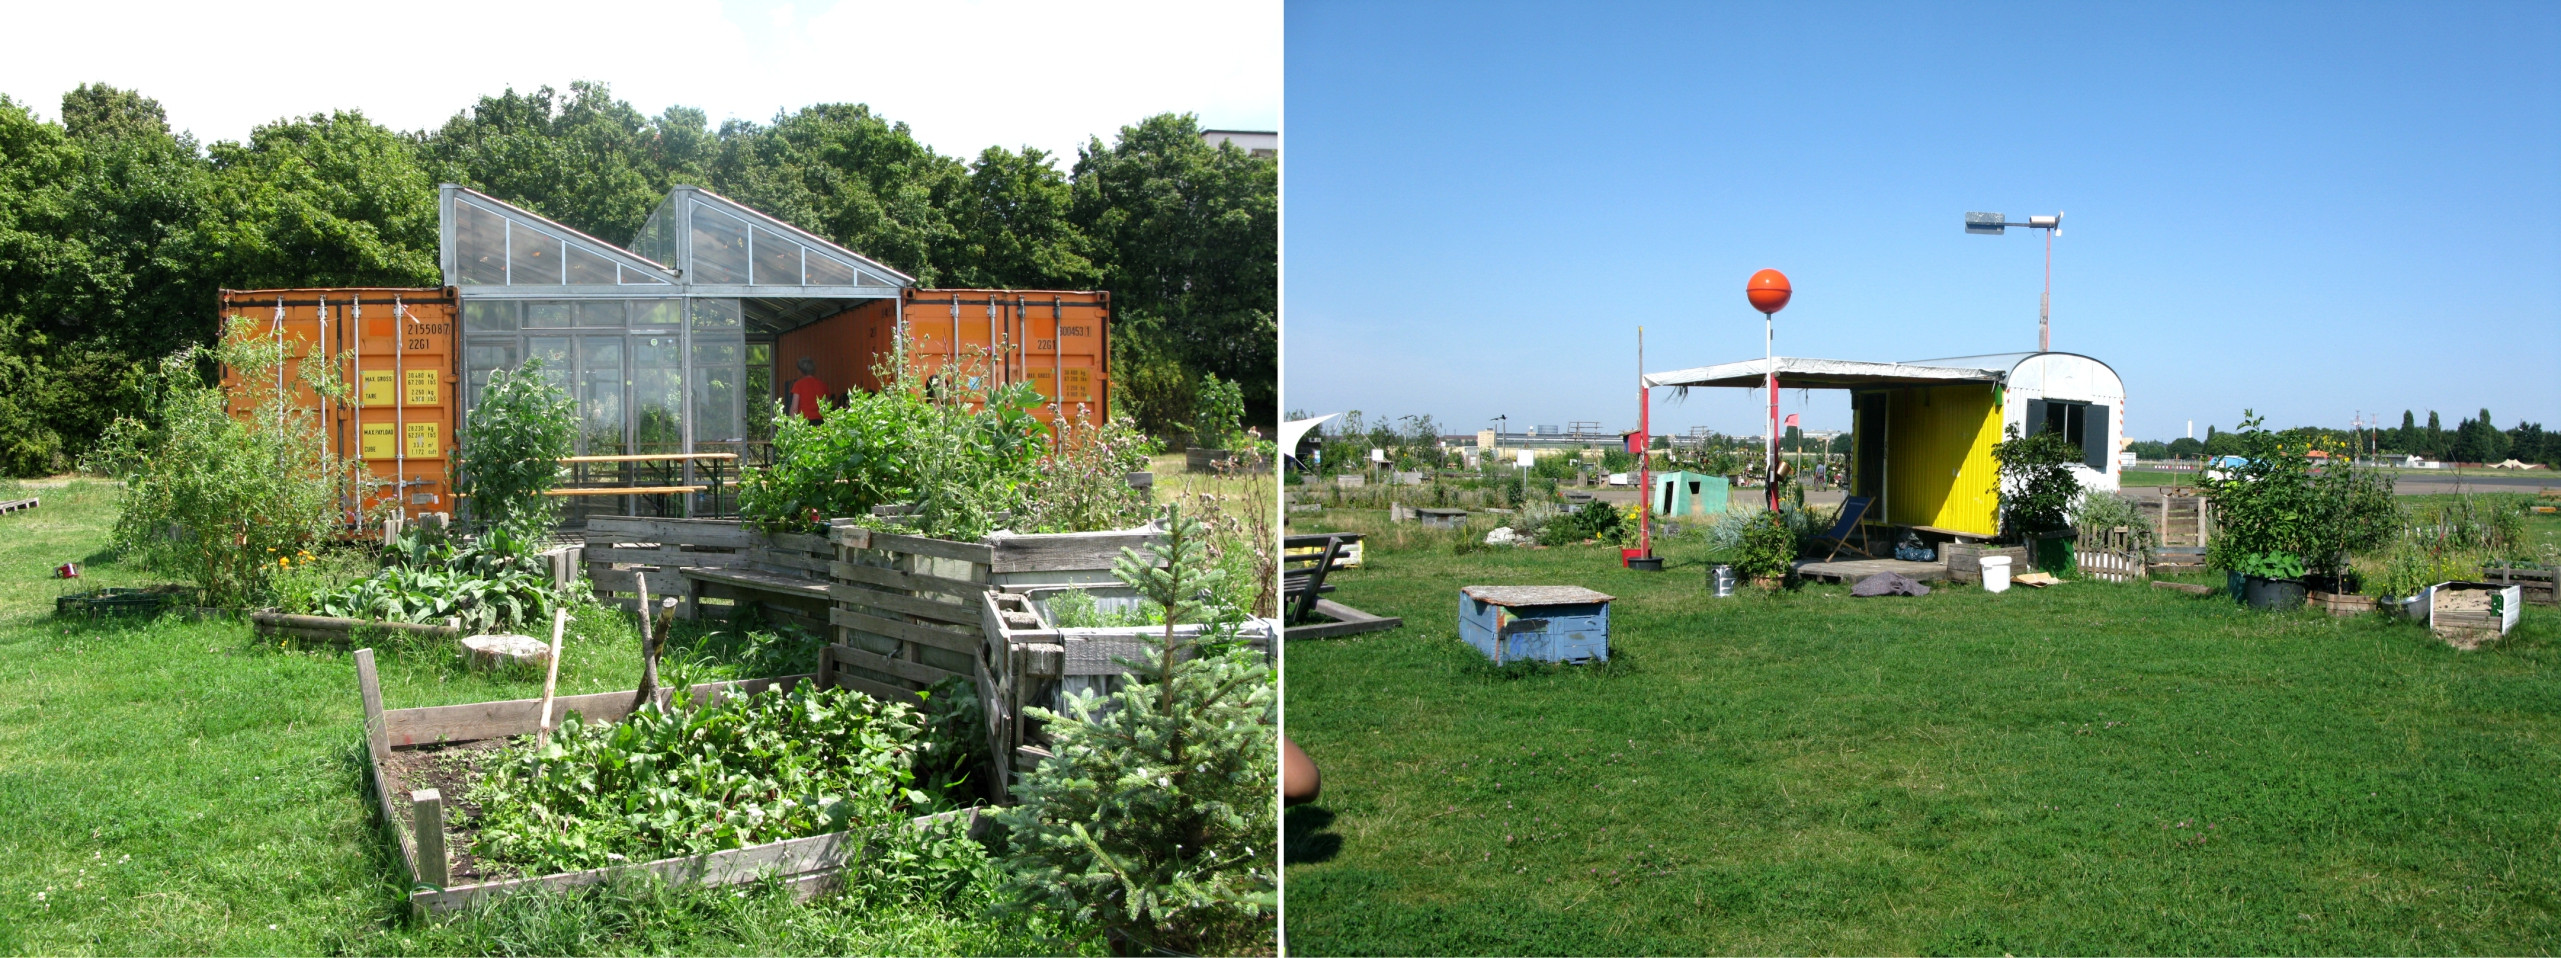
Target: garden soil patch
[{"x": 451, "y": 769}]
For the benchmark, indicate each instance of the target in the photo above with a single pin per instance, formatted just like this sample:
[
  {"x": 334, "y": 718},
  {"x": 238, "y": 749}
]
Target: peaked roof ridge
[
  {"x": 898, "y": 277},
  {"x": 572, "y": 232}
]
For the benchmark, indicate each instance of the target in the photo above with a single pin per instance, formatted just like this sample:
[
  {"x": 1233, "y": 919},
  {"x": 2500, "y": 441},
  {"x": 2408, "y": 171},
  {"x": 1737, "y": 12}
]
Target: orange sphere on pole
[{"x": 1768, "y": 291}]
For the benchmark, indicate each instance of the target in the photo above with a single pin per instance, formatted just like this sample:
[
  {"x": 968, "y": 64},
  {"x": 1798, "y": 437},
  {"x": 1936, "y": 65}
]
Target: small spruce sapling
[{"x": 1153, "y": 820}]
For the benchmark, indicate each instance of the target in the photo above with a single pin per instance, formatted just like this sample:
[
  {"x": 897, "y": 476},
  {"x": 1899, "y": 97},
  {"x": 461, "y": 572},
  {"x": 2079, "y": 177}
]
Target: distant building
[{"x": 1254, "y": 142}]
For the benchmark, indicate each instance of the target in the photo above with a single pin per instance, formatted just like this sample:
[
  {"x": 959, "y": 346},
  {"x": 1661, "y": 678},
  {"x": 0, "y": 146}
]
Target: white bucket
[{"x": 1996, "y": 573}]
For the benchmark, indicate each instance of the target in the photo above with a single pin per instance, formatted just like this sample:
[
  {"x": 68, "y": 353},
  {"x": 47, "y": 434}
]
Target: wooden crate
[
  {"x": 808, "y": 866},
  {"x": 2538, "y": 585},
  {"x": 908, "y": 609},
  {"x": 1041, "y": 663},
  {"x": 1965, "y": 559}
]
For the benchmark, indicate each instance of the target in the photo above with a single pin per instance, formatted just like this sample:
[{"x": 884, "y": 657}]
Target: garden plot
[{"x": 430, "y": 765}]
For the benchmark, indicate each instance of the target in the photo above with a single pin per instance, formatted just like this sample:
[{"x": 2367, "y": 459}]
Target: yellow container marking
[
  {"x": 378, "y": 440},
  {"x": 422, "y": 441},
  {"x": 377, "y": 387},
  {"x": 422, "y": 388}
]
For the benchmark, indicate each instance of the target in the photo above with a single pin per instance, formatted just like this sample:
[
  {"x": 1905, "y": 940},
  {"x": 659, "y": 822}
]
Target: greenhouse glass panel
[
  {"x": 777, "y": 259},
  {"x": 716, "y": 314},
  {"x": 483, "y": 356},
  {"x": 480, "y": 246},
  {"x": 657, "y": 239},
  {"x": 547, "y": 314},
  {"x": 605, "y": 313},
  {"x": 657, "y": 394},
  {"x": 720, "y": 248},
  {"x": 635, "y": 277},
  {"x": 488, "y": 316},
  {"x": 600, "y": 394},
  {"x": 533, "y": 259},
  {"x": 657, "y": 313},
  {"x": 719, "y": 367},
  {"x": 829, "y": 271},
  {"x": 588, "y": 269}
]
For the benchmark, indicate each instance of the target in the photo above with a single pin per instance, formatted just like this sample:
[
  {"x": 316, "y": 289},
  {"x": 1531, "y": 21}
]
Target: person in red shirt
[{"x": 807, "y": 390}]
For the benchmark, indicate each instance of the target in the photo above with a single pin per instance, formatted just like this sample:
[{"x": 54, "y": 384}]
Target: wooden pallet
[
  {"x": 18, "y": 505},
  {"x": 2541, "y": 586}
]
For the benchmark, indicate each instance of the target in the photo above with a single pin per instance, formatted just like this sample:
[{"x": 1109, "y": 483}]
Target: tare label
[
  {"x": 376, "y": 388},
  {"x": 422, "y": 388}
]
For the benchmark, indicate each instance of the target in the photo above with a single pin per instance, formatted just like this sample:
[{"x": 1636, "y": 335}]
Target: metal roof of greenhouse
[{"x": 697, "y": 243}]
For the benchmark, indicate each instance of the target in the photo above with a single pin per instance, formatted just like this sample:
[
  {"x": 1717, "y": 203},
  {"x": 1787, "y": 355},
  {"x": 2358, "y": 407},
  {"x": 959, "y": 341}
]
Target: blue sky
[{"x": 2305, "y": 209}]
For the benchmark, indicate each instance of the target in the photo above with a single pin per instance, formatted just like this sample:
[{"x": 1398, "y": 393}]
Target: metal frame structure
[{"x": 706, "y": 280}]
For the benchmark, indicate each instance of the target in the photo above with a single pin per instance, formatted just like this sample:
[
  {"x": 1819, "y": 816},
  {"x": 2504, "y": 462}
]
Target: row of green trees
[
  {"x": 116, "y": 233},
  {"x": 2474, "y": 439}
]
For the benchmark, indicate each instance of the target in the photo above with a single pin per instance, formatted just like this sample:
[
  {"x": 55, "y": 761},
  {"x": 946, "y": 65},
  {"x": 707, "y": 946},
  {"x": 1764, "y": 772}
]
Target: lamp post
[
  {"x": 1769, "y": 292},
  {"x": 1994, "y": 224}
]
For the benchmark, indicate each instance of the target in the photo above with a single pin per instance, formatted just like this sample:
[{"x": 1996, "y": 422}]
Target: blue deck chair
[{"x": 1853, "y": 509}]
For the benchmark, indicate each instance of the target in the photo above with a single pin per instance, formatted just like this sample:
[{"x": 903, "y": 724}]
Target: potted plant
[
  {"x": 2270, "y": 580},
  {"x": 2267, "y": 509}
]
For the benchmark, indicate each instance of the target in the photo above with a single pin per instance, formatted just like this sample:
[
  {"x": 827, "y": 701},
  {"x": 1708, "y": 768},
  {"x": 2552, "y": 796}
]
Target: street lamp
[{"x": 1994, "y": 224}]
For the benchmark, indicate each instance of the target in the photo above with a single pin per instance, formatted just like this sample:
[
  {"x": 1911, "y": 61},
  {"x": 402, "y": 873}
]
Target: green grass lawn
[
  {"x": 179, "y": 787},
  {"x": 2088, "y": 768}
]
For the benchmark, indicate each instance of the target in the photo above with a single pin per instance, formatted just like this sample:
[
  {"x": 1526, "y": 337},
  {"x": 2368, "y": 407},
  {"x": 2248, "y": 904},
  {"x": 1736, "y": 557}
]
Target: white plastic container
[{"x": 1996, "y": 573}]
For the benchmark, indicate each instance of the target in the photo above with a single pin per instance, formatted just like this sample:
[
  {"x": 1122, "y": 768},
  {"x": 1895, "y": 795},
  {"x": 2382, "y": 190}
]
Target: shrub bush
[
  {"x": 227, "y": 504},
  {"x": 2037, "y": 486}
]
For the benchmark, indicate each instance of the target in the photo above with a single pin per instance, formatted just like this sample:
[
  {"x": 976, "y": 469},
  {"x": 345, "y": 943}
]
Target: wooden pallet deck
[
  {"x": 1343, "y": 620},
  {"x": 1852, "y": 570}
]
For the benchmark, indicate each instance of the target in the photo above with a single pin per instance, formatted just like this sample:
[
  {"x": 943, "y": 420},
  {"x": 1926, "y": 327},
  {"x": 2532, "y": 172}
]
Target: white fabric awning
[{"x": 1800, "y": 373}]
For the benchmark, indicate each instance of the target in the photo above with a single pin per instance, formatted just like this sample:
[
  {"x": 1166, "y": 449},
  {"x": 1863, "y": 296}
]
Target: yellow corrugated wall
[{"x": 1939, "y": 470}]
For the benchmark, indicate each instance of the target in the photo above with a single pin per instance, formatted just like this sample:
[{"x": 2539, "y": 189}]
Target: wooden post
[
  {"x": 648, "y": 649},
  {"x": 427, "y": 811},
  {"x": 369, "y": 686},
  {"x": 551, "y": 678}
]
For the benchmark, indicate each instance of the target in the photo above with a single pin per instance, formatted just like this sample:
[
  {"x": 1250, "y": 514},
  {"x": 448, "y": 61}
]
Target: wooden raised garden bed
[
  {"x": 409, "y": 784},
  {"x": 2340, "y": 605},
  {"x": 1043, "y": 663},
  {"x": 322, "y": 628},
  {"x": 1965, "y": 559}
]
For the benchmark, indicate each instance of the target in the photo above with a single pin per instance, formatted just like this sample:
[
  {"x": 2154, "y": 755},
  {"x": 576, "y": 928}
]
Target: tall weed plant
[
  {"x": 511, "y": 450},
  {"x": 229, "y": 502}
]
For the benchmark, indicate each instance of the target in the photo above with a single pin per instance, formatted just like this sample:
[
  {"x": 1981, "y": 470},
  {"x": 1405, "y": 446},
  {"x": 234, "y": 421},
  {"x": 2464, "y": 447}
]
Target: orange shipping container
[
  {"x": 1059, "y": 341},
  {"x": 395, "y": 352}
]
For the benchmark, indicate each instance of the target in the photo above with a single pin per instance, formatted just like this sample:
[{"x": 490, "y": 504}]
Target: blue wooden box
[{"x": 1544, "y": 623}]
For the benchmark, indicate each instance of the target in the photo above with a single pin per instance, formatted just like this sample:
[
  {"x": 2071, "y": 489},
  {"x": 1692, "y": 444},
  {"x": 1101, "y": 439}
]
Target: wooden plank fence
[{"x": 2537, "y": 585}]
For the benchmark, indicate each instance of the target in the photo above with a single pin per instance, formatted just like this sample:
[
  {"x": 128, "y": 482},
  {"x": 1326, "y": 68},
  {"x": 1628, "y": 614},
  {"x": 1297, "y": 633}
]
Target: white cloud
[{"x": 964, "y": 75}]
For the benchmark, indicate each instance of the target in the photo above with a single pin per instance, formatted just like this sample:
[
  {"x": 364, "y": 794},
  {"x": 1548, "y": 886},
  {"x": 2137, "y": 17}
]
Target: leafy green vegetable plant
[
  {"x": 1218, "y": 413},
  {"x": 1154, "y": 819},
  {"x": 2270, "y": 565},
  {"x": 433, "y": 577},
  {"x": 744, "y": 770}
]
